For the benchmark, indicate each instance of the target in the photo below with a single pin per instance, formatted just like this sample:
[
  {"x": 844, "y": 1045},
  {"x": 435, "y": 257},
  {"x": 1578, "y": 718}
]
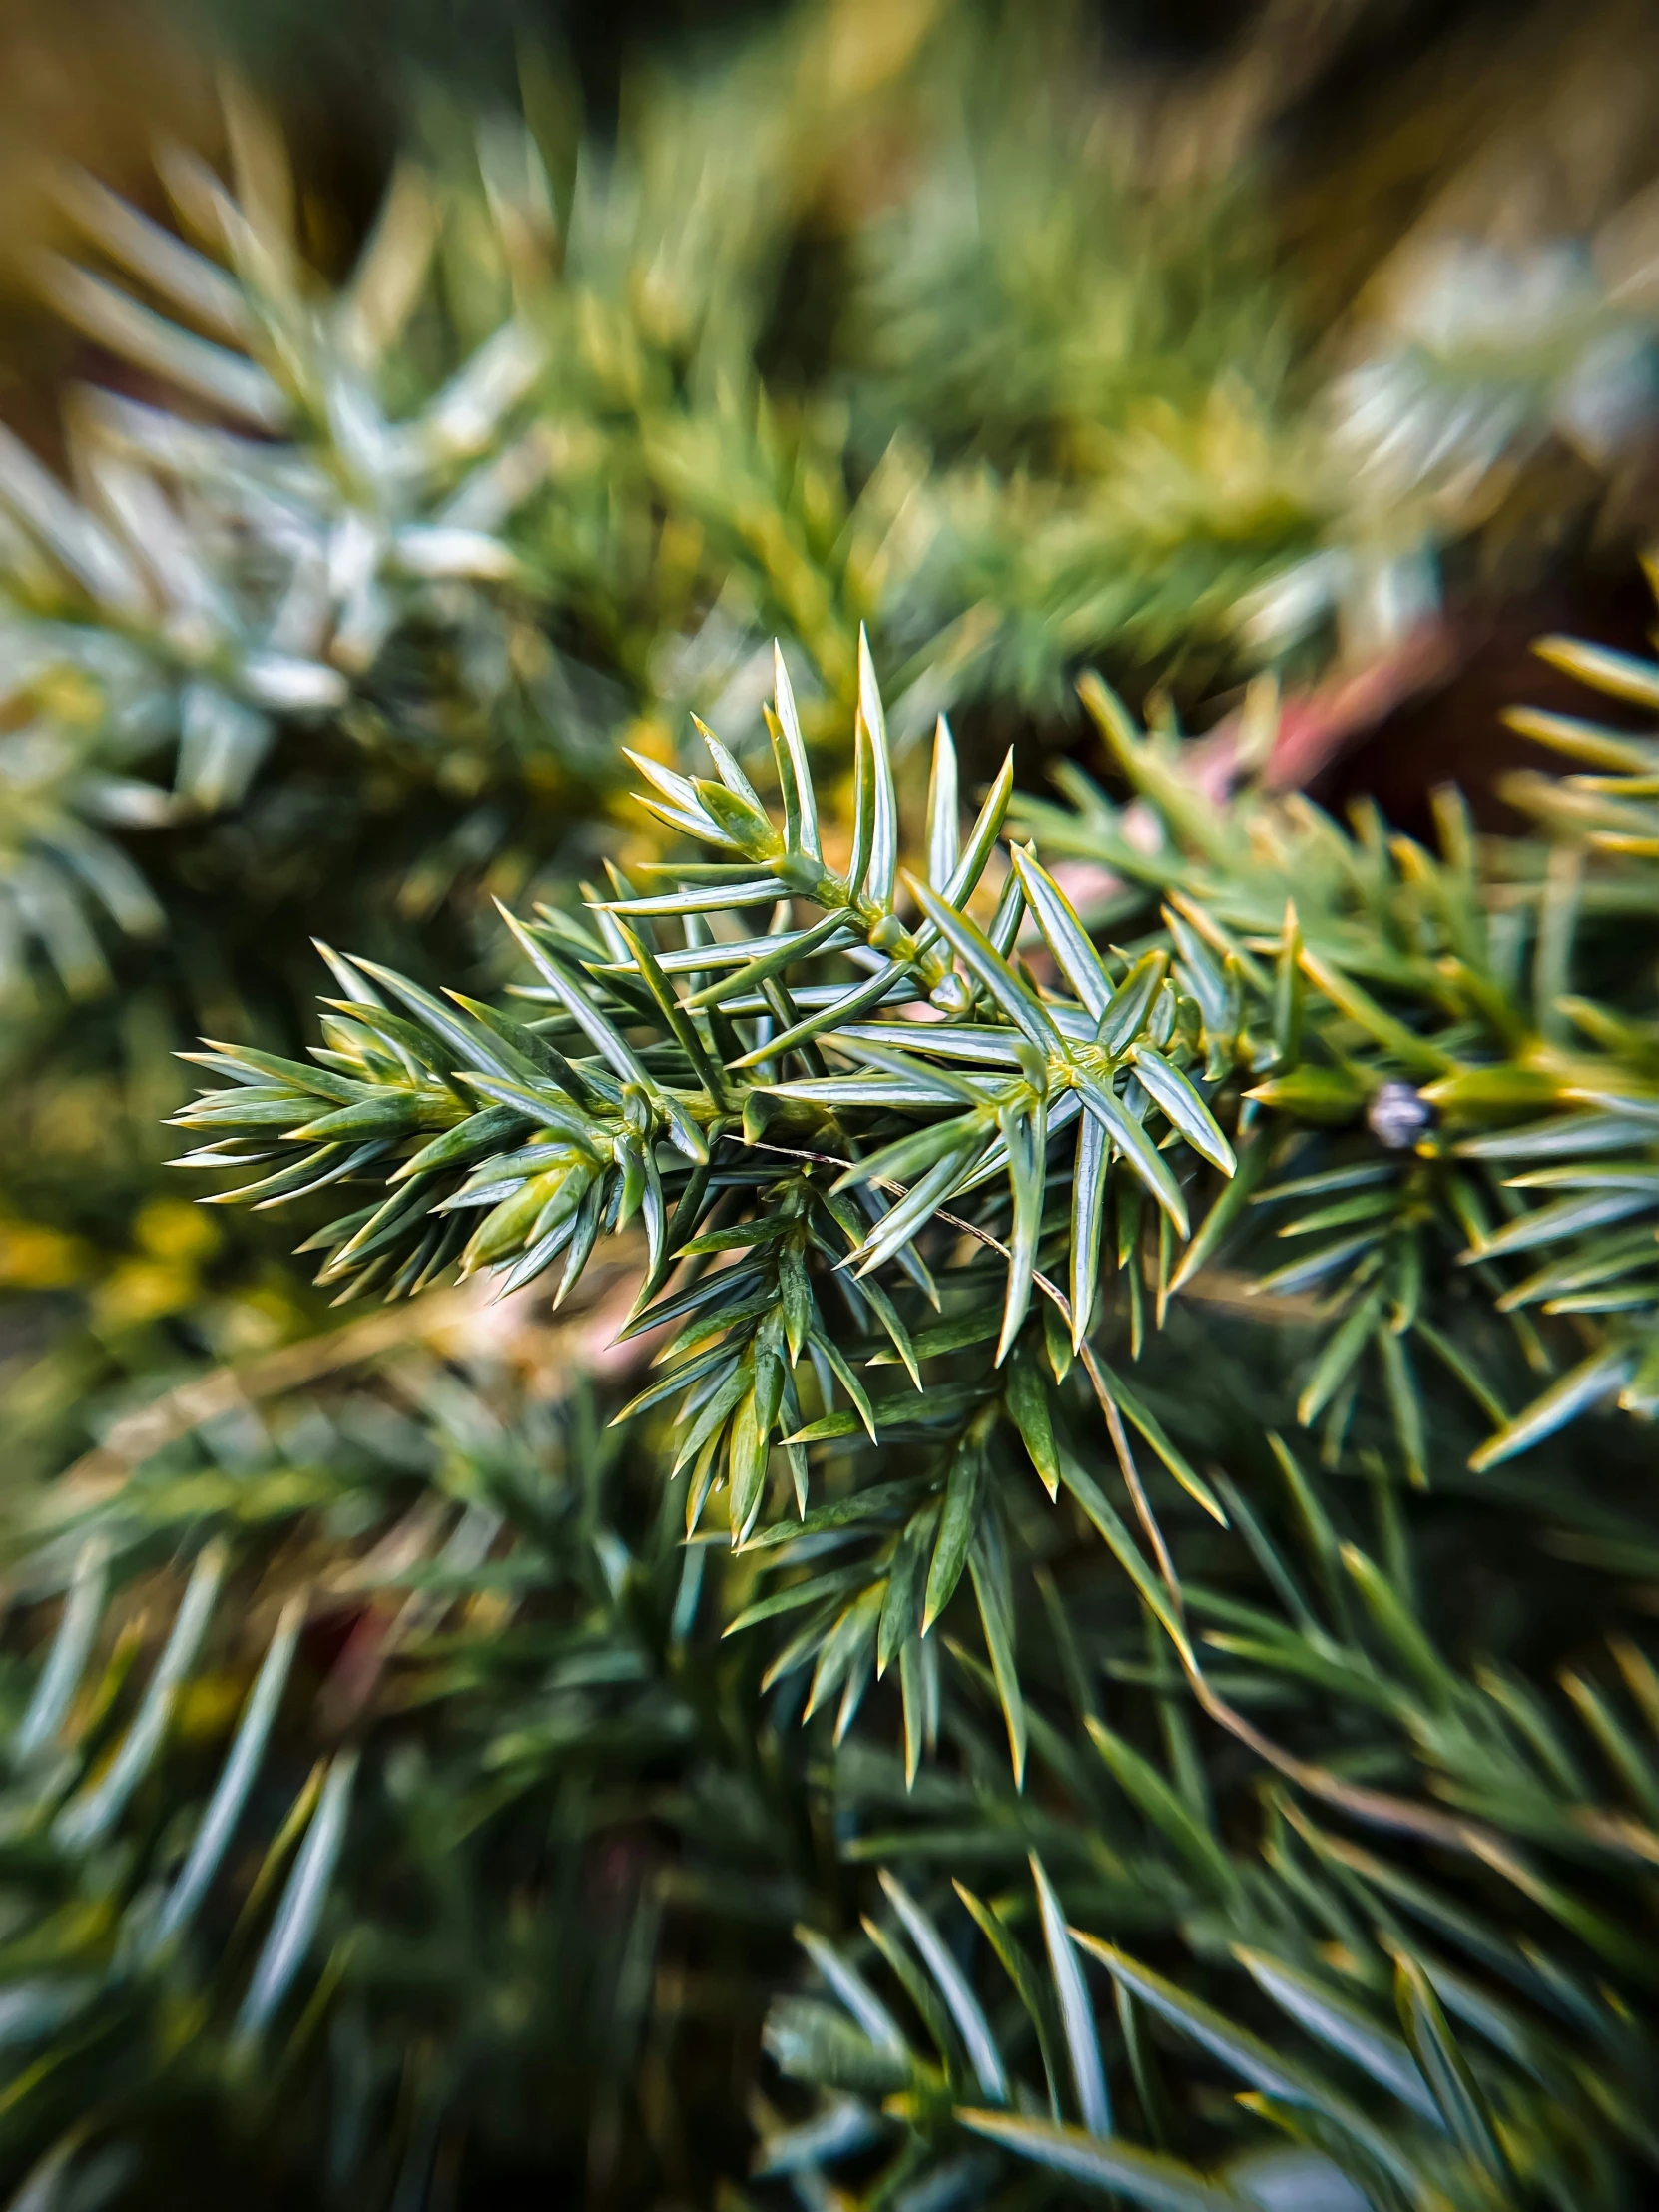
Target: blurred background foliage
[{"x": 530, "y": 368}]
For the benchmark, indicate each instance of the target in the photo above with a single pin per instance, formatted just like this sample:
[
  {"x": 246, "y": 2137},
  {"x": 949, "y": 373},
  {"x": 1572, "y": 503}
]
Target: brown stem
[{"x": 1378, "y": 1808}]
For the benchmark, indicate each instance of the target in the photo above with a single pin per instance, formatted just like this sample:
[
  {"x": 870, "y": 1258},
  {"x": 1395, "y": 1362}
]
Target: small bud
[
  {"x": 954, "y": 997},
  {"x": 1397, "y": 1116}
]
